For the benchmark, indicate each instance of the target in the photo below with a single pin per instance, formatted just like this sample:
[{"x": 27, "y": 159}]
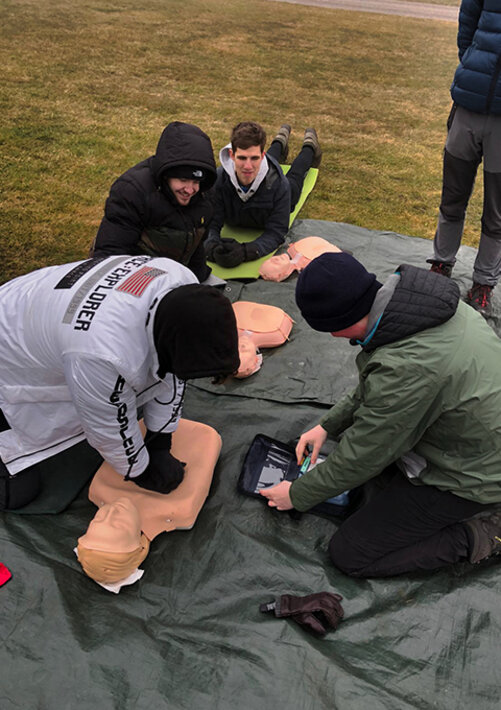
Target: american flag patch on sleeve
[{"x": 137, "y": 283}]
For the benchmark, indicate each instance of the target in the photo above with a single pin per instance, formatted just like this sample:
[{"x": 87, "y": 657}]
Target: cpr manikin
[
  {"x": 129, "y": 517},
  {"x": 299, "y": 254},
  {"x": 259, "y": 326}
]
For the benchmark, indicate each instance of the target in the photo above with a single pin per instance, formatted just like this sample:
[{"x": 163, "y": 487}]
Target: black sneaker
[
  {"x": 282, "y": 137},
  {"x": 479, "y": 297},
  {"x": 311, "y": 139},
  {"x": 486, "y": 537},
  {"x": 441, "y": 267}
]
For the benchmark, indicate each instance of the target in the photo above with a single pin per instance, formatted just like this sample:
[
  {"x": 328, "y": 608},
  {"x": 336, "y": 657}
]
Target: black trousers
[
  {"x": 300, "y": 166},
  {"x": 18, "y": 490},
  {"x": 404, "y": 528}
]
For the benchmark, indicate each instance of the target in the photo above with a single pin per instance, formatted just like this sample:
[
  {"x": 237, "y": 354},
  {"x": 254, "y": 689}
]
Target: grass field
[{"x": 87, "y": 87}]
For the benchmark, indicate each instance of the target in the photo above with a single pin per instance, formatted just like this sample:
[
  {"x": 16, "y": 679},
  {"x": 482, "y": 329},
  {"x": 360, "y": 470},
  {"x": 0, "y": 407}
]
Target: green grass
[{"x": 87, "y": 87}]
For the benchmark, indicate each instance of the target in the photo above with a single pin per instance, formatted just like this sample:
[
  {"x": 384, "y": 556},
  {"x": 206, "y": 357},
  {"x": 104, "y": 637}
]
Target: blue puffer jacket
[{"x": 477, "y": 82}]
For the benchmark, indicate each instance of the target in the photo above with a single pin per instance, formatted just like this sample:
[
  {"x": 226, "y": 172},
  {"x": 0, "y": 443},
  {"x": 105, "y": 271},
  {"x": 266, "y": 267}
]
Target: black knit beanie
[
  {"x": 335, "y": 291},
  {"x": 195, "y": 333}
]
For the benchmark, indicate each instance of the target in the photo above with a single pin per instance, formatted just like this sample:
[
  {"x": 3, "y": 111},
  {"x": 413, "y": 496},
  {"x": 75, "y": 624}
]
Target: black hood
[
  {"x": 184, "y": 144},
  {"x": 195, "y": 333}
]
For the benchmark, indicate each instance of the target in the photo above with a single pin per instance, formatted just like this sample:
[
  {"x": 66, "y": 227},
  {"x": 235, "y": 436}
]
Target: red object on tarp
[{"x": 5, "y": 574}]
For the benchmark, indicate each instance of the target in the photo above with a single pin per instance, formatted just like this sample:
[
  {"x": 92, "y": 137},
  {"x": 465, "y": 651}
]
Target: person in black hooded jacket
[{"x": 160, "y": 206}]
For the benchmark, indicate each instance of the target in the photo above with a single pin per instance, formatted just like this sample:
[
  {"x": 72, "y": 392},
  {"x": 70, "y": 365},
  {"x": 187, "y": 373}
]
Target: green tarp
[{"x": 189, "y": 634}]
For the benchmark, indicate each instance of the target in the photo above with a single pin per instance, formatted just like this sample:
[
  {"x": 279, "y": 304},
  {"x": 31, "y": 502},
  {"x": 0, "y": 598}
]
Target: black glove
[
  {"x": 209, "y": 248},
  {"x": 230, "y": 253},
  {"x": 164, "y": 472},
  {"x": 316, "y": 613}
]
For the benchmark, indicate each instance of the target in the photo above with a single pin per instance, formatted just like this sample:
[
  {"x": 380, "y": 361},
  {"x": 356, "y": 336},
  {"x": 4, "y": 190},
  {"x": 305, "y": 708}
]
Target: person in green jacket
[{"x": 426, "y": 412}]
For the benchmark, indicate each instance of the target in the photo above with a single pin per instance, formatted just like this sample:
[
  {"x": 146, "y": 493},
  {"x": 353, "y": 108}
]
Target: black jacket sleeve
[
  {"x": 123, "y": 221},
  {"x": 217, "y": 221}
]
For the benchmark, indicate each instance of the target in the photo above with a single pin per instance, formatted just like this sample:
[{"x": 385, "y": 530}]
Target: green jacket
[{"x": 436, "y": 392}]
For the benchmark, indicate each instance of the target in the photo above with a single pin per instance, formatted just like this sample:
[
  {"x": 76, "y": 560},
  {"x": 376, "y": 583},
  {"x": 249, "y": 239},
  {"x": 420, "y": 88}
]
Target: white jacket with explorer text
[{"x": 77, "y": 358}]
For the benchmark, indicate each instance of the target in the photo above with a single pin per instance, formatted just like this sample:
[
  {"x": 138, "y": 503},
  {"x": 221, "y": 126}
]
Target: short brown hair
[{"x": 247, "y": 134}]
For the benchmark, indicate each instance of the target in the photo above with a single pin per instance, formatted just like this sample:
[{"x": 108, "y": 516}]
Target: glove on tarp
[
  {"x": 316, "y": 613},
  {"x": 229, "y": 253},
  {"x": 164, "y": 472}
]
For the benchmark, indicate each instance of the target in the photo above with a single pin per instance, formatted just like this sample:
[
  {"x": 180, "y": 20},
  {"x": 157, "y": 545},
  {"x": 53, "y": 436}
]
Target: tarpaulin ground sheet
[{"x": 189, "y": 634}]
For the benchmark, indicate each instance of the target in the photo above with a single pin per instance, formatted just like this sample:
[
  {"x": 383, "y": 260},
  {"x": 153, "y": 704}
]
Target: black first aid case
[{"x": 268, "y": 462}]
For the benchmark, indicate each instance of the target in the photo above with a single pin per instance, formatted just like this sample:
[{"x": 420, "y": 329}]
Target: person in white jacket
[{"x": 84, "y": 345}]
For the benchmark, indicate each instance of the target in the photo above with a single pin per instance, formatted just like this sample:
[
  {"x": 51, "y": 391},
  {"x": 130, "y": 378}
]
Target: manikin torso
[{"x": 196, "y": 444}]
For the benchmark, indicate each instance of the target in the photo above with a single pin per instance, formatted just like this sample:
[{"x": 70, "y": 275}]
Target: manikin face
[
  {"x": 116, "y": 527},
  {"x": 183, "y": 189},
  {"x": 247, "y": 163},
  {"x": 249, "y": 362},
  {"x": 277, "y": 268}
]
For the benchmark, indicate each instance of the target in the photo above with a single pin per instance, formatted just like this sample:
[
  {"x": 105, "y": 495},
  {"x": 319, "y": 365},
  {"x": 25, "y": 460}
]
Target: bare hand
[
  {"x": 278, "y": 496},
  {"x": 316, "y": 439}
]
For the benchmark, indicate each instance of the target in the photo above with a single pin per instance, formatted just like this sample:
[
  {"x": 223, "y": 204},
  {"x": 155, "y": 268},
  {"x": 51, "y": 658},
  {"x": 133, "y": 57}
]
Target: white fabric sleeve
[
  {"x": 162, "y": 413},
  {"x": 107, "y": 408}
]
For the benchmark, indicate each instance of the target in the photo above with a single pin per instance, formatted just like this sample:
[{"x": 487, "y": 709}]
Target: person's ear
[{"x": 232, "y": 155}]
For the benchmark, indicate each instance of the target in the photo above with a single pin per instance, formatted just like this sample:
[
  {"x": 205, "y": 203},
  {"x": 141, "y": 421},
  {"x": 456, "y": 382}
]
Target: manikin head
[
  {"x": 250, "y": 360},
  {"x": 277, "y": 268},
  {"x": 335, "y": 294},
  {"x": 113, "y": 545},
  {"x": 247, "y": 150}
]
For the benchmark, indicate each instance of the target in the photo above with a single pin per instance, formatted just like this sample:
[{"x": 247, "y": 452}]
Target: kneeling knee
[{"x": 343, "y": 555}]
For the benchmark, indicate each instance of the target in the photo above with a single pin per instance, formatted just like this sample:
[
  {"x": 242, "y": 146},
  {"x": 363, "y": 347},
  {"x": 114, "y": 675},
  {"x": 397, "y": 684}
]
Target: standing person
[
  {"x": 160, "y": 206},
  {"x": 474, "y": 134},
  {"x": 252, "y": 191},
  {"x": 84, "y": 345},
  {"x": 427, "y": 411}
]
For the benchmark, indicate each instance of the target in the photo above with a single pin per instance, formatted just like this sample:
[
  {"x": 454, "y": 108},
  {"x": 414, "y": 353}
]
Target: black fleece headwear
[
  {"x": 195, "y": 333},
  {"x": 183, "y": 144},
  {"x": 335, "y": 291}
]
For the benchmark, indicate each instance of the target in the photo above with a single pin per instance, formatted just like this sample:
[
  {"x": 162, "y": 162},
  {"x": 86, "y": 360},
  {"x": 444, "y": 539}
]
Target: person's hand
[
  {"x": 278, "y": 496},
  {"x": 229, "y": 253},
  {"x": 163, "y": 474},
  {"x": 210, "y": 247},
  {"x": 313, "y": 437}
]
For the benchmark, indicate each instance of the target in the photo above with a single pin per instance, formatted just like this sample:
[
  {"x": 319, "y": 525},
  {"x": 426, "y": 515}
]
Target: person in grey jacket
[
  {"x": 474, "y": 133},
  {"x": 252, "y": 191},
  {"x": 426, "y": 415}
]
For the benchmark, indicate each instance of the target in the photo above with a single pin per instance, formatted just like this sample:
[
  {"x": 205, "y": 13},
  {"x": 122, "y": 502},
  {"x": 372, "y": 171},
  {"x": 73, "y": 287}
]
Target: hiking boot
[
  {"x": 311, "y": 139},
  {"x": 282, "y": 137},
  {"x": 486, "y": 533},
  {"x": 440, "y": 267},
  {"x": 479, "y": 297}
]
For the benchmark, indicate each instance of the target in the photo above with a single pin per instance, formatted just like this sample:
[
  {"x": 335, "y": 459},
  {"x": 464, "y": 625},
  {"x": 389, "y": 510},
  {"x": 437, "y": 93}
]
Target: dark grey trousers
[{"x": 472, "y": 137}]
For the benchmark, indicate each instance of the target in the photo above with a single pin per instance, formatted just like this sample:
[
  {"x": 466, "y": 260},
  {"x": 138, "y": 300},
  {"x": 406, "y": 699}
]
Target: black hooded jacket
[{"x": 142, "y": 216}]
